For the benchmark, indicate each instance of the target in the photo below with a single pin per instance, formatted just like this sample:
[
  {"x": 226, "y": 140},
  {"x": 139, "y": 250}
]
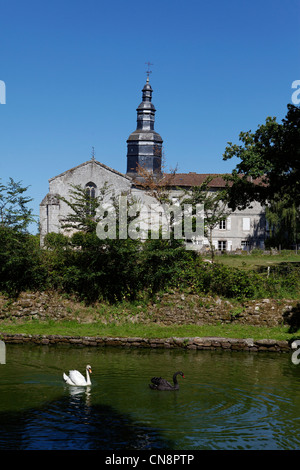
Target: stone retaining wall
[
  {"x": 196, "y": 343},
  {"x": 167, "y": 309}
]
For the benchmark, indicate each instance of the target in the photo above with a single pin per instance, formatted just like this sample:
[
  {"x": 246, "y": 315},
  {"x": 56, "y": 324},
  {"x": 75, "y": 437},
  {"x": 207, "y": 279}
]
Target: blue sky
[{"x": 74, "y": 71}]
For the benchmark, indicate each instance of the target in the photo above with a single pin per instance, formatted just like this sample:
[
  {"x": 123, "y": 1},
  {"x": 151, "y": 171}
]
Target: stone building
[{"x": 240, "y": 230}]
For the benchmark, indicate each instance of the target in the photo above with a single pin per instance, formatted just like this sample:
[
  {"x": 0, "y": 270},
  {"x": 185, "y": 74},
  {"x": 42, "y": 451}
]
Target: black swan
[{"x": 161, "y": 384}]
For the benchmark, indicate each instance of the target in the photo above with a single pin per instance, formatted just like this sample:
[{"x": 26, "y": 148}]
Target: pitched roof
[{"x": 89, "y": 162}]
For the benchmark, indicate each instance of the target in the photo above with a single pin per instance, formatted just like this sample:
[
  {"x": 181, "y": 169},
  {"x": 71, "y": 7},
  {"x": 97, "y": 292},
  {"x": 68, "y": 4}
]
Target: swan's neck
[{"x": 88, "y": 380}]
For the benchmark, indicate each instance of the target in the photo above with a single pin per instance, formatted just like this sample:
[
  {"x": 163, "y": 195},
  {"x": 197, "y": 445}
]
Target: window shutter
[{"x": 246, "y": 223}]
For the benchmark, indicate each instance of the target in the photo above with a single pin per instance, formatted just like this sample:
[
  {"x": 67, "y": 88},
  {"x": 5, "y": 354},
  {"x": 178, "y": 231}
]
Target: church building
[{"x": 240, "y": 230}]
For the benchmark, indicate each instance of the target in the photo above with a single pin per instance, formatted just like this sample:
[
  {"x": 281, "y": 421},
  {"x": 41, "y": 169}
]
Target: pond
[{"x": 227, "y": 400}]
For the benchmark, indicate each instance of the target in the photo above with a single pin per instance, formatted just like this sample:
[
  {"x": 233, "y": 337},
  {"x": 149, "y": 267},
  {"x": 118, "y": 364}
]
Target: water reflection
[
  {"x": 74, "y": 423},
  {"x": 83, "y": 392}
]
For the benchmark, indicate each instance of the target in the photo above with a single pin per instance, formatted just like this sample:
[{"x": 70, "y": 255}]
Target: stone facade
[{"x": 53, "y": 210}]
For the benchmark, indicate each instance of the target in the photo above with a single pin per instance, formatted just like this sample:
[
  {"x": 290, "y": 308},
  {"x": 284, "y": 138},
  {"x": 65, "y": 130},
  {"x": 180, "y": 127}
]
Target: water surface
[{"x": 228, "y": 400}]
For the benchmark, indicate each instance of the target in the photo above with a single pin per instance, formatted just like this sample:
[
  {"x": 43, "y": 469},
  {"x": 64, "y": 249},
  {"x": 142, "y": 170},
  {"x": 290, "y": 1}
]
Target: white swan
[{"x": 76, "y": 378}]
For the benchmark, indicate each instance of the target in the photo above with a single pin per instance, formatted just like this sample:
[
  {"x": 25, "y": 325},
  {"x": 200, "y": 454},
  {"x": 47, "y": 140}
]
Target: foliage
[
  {"x": 84, "y": 214},
  {"x": 284, "y": 222},
  {"x": 116, "y": 270},
  {"x": 21, "y": 264},
  {"x": 92, "y": 268},
  {"x": 269, "y": 172},
  {"x": 14, "y": 210},
  {"x": 162, "y": 263},
  {"x": 270, "y": 162}
]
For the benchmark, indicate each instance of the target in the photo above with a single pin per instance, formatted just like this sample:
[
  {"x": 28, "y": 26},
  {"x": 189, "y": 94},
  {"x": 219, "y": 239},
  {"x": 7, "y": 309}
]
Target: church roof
[{"x": 88, "y": 162}]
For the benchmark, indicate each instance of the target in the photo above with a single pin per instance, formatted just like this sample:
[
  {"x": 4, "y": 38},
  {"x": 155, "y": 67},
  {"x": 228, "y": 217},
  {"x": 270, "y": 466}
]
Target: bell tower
[{"x": 144, "y": 145}]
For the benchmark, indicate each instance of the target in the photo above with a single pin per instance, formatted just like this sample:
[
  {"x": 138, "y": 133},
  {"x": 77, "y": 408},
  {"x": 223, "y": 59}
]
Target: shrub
[{"x": 21, "y": 265}]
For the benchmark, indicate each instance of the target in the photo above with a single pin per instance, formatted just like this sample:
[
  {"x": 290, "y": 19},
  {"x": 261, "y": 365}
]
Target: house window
[
  {"x": 222, "y": 245},
  {"x": 222, "y": 224},
  {"x": 245, "y": 244}
]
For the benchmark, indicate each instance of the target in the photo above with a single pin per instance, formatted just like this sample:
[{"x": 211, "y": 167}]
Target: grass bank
[
  {"x": 258, "y": 259},
  {"x": 73, "y": 328}
]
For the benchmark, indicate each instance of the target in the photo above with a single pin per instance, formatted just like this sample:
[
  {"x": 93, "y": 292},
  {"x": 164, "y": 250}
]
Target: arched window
[{"x": 90, "y": 188}]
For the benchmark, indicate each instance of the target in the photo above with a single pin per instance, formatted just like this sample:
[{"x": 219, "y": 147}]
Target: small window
[
  {"x": 222, "y": 245},
  {"x": 245, "y": 244},
  {"x": 222, "y": 224}
]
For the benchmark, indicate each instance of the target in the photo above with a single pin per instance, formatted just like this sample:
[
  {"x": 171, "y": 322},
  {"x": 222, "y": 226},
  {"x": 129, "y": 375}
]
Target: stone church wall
[{"x": 53, "y": 210}]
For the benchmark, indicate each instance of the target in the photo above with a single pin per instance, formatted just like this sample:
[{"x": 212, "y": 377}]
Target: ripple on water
[{"x": 225, "y": 417}]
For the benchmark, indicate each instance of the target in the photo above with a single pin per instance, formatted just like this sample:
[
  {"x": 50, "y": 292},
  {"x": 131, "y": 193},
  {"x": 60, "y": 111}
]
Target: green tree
[
  {"x": 284, "y": 223},
  {"x": 14, "y": 211},
  {"x": 21, "y": 265},
  {"x": 20, "y": 257},
  {"x": 83, "y": 215},
  {"x": 269, "y": 162}
]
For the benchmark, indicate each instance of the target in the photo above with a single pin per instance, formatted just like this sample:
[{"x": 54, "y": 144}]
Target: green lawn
[
  {"x": 252, "y": 261},
  {"x": 72, "y": 328}
]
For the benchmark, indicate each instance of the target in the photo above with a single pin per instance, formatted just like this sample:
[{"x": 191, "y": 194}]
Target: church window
[
  {"x": 91, "y": 189},
  {"x": 91, "y": 193}
]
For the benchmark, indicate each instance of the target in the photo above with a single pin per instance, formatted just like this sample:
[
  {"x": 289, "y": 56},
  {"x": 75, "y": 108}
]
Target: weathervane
[
  {"x": 93, "y": 153},
  {"x": 148, "y": 71}
]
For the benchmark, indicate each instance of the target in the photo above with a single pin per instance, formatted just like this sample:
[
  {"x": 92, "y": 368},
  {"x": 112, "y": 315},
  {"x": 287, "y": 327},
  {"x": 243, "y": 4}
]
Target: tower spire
[
  {"x": 144, "y": 145},
  {"x": 148, "y": 71}
]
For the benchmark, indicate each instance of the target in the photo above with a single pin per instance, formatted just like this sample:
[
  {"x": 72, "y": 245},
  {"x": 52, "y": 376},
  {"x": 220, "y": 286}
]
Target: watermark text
[
  {"x": 296, "y": 94},
  {"x": 2, "y": 92},
  {"x": 140, "y": 221}
]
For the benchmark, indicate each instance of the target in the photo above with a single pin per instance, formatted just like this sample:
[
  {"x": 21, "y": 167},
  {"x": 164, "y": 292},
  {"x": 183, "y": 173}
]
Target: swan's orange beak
[{"x": 90, "y": 371}]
